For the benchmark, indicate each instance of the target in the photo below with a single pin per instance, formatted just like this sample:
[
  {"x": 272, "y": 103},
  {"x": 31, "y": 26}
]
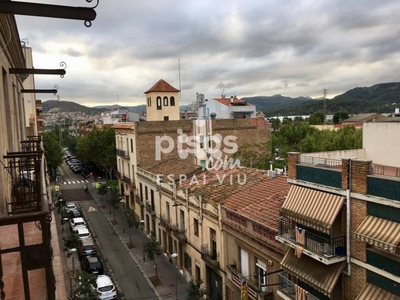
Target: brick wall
[
  {"x": 247, "y": 131},
  {"x": 359, "y": 172},
  {"x": 293, "y": 158},
  {"x": 353, "y": 285}
]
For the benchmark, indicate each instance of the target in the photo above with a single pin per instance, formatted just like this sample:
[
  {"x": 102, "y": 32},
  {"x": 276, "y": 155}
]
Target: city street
[{"x": 127, "y": 267}]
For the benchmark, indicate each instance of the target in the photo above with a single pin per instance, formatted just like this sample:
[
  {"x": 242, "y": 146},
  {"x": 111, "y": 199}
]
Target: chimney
[{"x": 231, "y": 100}]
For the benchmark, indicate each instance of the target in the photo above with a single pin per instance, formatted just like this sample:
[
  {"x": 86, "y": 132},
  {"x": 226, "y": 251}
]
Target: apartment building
[
  {"x": 341, "y": 223},
  {"x": 249, "y": 224},
  {"x": 26, "y": 269}
]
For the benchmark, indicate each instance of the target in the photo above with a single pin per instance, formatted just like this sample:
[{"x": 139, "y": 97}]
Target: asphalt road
[{"x": 125, "y": 272}]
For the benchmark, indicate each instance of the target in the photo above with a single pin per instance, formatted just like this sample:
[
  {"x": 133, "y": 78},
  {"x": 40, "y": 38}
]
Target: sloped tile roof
[
  {"x": 235, "y": 102},
  {"x": 261, "y": 201},
  {"x": 174, "y": 167},
  {"x": 162, "y": 86},
  {"x": 123, "y": 125},
  {"x": 215, "y": 186}
]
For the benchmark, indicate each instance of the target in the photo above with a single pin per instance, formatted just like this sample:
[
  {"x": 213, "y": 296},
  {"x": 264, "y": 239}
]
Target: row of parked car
[
  {"x": 76, "y": 165},
  {"x": 88, "y": 256}
]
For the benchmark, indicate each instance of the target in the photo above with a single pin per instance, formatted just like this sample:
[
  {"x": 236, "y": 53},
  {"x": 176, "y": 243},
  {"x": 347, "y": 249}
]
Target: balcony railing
[
  {"x": 165, "y": 222},
  {"x": 150, "y": 209},
  {"x": 138, "y": 199},
  {"x": 253, "y": 285},
  {"x": 179, "y": 232},
  {"x": 318, "y": 244},
  {"x": 385, "y": 170},
  {"x": 210, "y": 257},
  {"x": 117, "y": 174},
  {"x": 320, "y": 161},
  {"x": 122, "y": 153},
  {"x": 126, "y": 179},
  {"x": 29, "y": 207},
  {"x": 288, "y": 288}
]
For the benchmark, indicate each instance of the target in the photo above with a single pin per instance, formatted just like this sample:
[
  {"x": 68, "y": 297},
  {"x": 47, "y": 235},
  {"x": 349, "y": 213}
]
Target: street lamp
[
  {"x": 64, "y": 220},
  {"x": 72, "y": 251},
  {"x": 175, "y": 257},
  {"x": 123, "y": 202}
]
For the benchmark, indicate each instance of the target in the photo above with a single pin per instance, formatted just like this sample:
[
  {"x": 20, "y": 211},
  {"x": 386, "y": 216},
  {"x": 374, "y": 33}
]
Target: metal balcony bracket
[
  {"x": 28, "y": 71},
  {"x": 87, "y": 14},
  {"x": 40, "y": 91}
]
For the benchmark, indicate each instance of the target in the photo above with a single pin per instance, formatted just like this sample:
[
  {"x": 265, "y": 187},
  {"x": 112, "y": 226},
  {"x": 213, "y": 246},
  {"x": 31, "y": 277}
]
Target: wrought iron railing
[
  {"x": 288, "y": 287},
  {"x": 165, "y": 222},
  {"x": 179, "y": 232},
  {"x": 126, "y": 179},
  {"x": 385, "y": 170},
  {"x": 123, "y": 153},
  {"x": 316, "y": 243},
  {"x": 320, "y": 161},
  {"x": 30, "y": 204},
  {"x": 210, "y": 257}
]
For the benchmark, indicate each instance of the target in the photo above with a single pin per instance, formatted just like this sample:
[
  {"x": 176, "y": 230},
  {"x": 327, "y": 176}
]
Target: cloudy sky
[{"x": 245, "y": 48}]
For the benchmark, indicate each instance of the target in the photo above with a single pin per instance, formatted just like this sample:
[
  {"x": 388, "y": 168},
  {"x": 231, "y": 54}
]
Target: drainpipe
[{"x": 348, "y": 217}]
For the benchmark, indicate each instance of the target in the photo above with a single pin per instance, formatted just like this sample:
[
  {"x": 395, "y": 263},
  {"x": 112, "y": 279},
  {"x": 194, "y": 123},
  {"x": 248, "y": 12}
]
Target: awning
[
  {"x": 319, "y": 276},
  {"x": 312, "y": 208},
  {"x": 379, "y": 232},
  {"x": 372, "y": 292}
]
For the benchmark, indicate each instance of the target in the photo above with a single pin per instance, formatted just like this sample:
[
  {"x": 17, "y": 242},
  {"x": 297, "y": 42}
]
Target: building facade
[
  {"x": 340, "y": 223},
  {"x": 162, "y": 102}
]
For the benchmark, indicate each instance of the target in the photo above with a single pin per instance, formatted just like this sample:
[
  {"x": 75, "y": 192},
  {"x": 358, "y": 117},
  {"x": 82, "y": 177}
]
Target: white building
[
  {"x": 230, "y": 108},
  {"x": 121, "y": 114}
]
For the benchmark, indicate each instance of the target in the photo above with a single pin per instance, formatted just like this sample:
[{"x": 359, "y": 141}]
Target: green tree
[
  {"x": 98, "y": 147},
  {"x": 114, "y": 200},
  {"x": 102, "y": 191},
  {"x": 339, "y": 116},
  {"x": 131, "y": 220},
  {"x": 52, "y": 150},
  {"x": 317, "y": 118},
  {"x": 71, "y": 241},
  {"x": 195, "y": 291},
  {"x": 83, "y": 290},
  {"x": 152, "y": 248}
]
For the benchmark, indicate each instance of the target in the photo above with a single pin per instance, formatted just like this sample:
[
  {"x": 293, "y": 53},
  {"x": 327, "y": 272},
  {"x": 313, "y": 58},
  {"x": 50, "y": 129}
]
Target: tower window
[
  {"x": 159, "y": 103},
  {"x": 172, "y": 101},
  {"x": 165, "y": 101}
]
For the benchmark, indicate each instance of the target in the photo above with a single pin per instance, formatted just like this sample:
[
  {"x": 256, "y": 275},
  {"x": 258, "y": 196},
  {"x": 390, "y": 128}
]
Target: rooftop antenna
[{"x": 325, "y": 91}]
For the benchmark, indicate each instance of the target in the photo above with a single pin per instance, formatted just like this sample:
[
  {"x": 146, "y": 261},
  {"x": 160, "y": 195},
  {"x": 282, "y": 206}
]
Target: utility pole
[{"x": 324, "y": 95}]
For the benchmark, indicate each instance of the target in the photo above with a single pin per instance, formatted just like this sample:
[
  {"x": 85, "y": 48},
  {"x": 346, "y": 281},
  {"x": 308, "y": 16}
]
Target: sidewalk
[{"x": 167, "y": 273}]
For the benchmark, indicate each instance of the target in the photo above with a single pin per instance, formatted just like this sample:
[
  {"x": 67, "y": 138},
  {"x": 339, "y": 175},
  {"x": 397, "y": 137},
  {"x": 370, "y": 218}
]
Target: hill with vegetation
[{"x": 380, "y": 98}]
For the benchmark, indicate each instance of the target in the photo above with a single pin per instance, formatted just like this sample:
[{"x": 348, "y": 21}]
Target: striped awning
[
  {"x": 379, "y": 232},
  {"x": 312, "y": 208},
  {"x": 319, "y": 276},
  {"x": 373, "y": 292}
]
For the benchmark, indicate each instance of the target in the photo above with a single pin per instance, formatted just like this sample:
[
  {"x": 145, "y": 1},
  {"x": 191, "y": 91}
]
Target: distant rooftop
[{"x": 232, "y": 101}]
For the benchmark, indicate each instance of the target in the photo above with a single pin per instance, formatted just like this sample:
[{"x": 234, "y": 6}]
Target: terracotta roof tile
[
  {"x": 162, "y": 86},
  {"x": 216, "y": 186},
  {"x": 236, "y": 101},
  {"x": 173, "y": 166},
  {"x": 261, "y": 201}
]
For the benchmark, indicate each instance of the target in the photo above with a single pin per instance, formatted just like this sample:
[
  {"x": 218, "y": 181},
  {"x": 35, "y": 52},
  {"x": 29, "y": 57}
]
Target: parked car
[
  {"x": 104, "y": 288},
  {"x": 77, "y": 169},
  {"x": 82, "y": 232},
  {"x": 70, "y": 206},
  {"x": 77, "y": 222},
  {"x": 92, "y": 265},
  {"x": 87, "y": 247}
]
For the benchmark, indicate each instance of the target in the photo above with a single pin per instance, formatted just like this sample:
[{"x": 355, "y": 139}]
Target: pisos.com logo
[{"x": 214, "y": 150}]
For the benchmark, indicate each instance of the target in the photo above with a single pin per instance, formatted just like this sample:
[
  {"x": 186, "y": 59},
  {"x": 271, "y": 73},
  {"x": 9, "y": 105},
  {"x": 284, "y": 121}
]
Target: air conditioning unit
[
  {"x": 278, "y": 171},
  {"x": 271, "y": 173}
]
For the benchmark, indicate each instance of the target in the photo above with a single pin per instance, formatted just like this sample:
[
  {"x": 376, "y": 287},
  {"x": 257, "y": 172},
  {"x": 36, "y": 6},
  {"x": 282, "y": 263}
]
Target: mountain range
[{"x": 381, "y": 98}]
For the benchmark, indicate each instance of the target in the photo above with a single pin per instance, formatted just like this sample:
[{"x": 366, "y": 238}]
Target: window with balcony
[
  {"x": 152, "y": 200},
  {"x": 182, "y": 220},
  {"x": 131, "y": 145},
  {"x": 168, "y": 211},
  {"x": 244, "y": 262},
  {"x": 187, "y": 262},
  {"x": 141, "y": 191},
  {"x": 261, "y": 272},
  {"x": 146, "y": 191}
]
